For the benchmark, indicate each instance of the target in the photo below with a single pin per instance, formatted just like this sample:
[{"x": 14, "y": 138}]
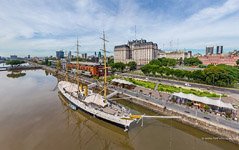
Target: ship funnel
[
  {"x": 81, "y": 87},
  {"x": 86, "y": 90}
]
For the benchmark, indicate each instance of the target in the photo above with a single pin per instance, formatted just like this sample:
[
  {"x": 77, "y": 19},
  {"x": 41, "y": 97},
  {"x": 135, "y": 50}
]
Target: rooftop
[
  {"x": 87, "y": 63},
  {"x": 204, "y": 100},
  {"x": 122, "y": 46}
]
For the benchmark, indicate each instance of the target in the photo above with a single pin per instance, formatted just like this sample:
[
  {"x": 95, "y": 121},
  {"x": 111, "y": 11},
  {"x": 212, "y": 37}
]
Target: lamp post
[{"x": 219, "y": 107}]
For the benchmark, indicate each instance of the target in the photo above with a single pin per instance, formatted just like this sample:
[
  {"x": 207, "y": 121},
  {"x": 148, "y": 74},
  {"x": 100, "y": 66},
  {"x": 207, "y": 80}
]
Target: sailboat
[
  {"x": 94, "y": 103},
  {"x": 97, "y": 105}
]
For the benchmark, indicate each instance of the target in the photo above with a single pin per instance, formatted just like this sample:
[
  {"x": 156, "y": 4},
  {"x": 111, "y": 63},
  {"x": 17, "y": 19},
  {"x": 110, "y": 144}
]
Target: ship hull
[
  {"x": 117, "y": 121},
  {"x": 111, "y": 122}
]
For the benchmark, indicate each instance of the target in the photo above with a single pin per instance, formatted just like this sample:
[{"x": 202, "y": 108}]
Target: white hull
[{"x": 114, "y": 119}]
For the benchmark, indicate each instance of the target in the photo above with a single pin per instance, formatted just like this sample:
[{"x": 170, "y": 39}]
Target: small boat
[{"x": 72, "y": 106}]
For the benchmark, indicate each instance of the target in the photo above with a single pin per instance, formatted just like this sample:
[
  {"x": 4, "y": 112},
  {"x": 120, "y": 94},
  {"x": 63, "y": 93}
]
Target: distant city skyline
[{"x": 39, "y": 28}]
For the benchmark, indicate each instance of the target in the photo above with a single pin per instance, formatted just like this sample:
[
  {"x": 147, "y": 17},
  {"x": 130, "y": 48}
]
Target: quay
[{"x": 223, "y": 128}]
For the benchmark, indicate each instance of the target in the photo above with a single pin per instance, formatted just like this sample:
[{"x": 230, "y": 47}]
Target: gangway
[{"x": 112, "y": 94}]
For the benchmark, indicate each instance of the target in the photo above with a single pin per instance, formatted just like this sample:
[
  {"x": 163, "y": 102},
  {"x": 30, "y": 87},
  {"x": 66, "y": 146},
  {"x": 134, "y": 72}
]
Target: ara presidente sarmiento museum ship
[{"x": 96, "y": 104}]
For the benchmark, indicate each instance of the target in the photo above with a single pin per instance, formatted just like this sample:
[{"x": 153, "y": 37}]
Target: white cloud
[
  {"x": 215, "y": 13},
  {"x": 210, "y": 25},
  {"x": 54, "y": 24}
]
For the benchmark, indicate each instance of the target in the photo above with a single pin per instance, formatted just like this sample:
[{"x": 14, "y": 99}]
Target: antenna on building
[
  {"x": 135, "y": 32},
  {"x": 177, "y": 44},
  {"x": 170, "y": 44}
]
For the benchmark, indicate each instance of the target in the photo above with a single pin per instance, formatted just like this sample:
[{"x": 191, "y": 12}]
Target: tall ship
[
  {"x": 83, "y": 98},
  {"x": 94, "y": 103}
]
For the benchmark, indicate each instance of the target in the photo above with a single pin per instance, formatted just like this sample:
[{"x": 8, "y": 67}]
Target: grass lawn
[
  {"x": 145, "y": 84},
  {"x": 172, "y": 89}
]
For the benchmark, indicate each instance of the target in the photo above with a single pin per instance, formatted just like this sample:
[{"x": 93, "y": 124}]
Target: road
[
  {"x": 183, "y": 109},
  {"x": 182, "y": 83}
]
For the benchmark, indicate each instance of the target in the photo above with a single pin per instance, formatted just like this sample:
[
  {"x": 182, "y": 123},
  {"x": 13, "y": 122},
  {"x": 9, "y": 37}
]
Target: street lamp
[{"x": 219, "y": 107}]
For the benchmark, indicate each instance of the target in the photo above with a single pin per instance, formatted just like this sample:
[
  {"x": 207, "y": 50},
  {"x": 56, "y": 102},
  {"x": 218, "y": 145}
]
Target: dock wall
[{"x": 222, "y": 132}]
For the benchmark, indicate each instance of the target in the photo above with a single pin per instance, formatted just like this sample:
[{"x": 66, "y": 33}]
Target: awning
[
  {"x": 204, "y": 100},
  {"x": 96, "y": 99},
  {"x": 122, "y": 81}
]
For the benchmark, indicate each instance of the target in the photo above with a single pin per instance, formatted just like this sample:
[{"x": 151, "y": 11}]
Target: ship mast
[
  {"x": 105, "y": 68},
  {"x": 67, "y": 78},
  {"x": 77, "y": 65}
]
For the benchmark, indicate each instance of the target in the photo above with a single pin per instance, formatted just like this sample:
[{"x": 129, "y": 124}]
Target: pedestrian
[{"x": 164, "y": 108}]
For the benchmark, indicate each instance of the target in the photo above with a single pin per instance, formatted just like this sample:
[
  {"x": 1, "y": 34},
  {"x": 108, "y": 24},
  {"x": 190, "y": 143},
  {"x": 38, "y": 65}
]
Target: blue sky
[{"x": 40, "y": 27}]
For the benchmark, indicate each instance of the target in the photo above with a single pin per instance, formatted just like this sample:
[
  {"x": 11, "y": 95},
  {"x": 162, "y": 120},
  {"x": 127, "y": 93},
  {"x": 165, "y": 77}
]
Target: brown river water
[{"x": 33, "y": 116}]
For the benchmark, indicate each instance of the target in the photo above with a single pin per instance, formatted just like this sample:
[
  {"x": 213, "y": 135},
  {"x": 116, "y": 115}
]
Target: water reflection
[
  {"x": 93, "y": 133},
  {"x": 16, "y": 74},
  {"x": 33, "y": 116}
]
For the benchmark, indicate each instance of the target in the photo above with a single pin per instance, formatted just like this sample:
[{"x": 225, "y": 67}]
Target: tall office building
[
  {"x": 209, "y": 50},
  {"x": 84, "y": 56},
  {"x": 69, "y": 56},
  {"x": 13, "y": 57},
  {"x": 219, "y": 49},
  {"x": 140, "y": 51},
  {"x": 59, "y": 54}
]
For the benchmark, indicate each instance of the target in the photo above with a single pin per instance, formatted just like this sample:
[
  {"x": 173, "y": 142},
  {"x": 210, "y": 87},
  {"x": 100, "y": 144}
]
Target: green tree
[
  {"x": 180, "y": 61},
  {"x": 119, "y": 66},
  {"x": 15, "y": 62},
  {"x": 221, "y": 75},
  {"x": 111, "y": 61},
  {"x": 193, "y": 61},
  {"x": 58, "y": 64},
  {"x": 164, "y": 62},
  {"x": 46, "y": 61},
  {"x": 153, "y": 69},
  {"x": 17, "y": 74},
  {"x": 237, "y": 62},
  {"x": 160, "y": 70},
  {"x": 132, "y": 65},
  {"x": 179, "y": 73},
  {"x": 188, "y": 74},
  {"x": 146, "y": 69},
  {"x": 168, "y": 71},
  {"x": 198, "y": 75},
  {"x": 172, "y": 62}
]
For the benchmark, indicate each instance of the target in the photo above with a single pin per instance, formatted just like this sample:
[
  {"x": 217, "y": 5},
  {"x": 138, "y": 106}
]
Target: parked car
[{"x": 187, "y": 84}]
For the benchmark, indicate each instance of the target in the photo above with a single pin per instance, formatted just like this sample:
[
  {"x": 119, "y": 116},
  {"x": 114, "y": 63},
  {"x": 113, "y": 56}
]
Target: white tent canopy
[
  {"x": 122, "y": 81},
  {"x": 204, "y": 100},
  {"x": 96, "y": 99}
]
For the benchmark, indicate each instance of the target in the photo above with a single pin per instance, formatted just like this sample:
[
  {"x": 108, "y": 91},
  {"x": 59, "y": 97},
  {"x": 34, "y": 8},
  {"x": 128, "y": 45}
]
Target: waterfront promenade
[
  {"x": 164, "y": 102},
  {"x": 209, "y": 121},
  {"x": 182, "y": 109}
]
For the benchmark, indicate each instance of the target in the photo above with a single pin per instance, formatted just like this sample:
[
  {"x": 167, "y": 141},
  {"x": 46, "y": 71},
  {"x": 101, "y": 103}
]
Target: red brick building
[
  {"x": 89, "y": 68},
  {"x": 219, "y": 59}
]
